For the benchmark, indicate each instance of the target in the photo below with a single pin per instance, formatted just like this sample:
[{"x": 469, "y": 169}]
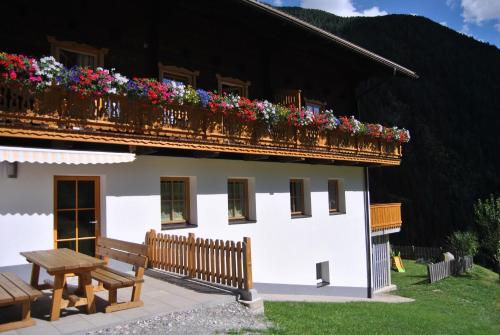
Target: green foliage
[
  {"x": 282, "y": 113},
  {"x": 464, "y": 304},
  {"x": 463, "y": 243},
  {"x": 487, "y": 219},
  {"x": 191, "y": 97},
  {"x": 450, "y": 110}
]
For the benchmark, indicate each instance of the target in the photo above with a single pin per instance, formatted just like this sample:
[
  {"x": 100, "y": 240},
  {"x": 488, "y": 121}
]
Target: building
[{"x": 77, "y": 165}]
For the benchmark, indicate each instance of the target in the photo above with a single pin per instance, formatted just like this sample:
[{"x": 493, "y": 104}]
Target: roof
[{"x": 342, "y": 42}]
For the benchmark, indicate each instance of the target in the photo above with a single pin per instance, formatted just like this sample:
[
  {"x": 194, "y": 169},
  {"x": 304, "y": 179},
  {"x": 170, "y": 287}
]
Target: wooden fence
[
  {"x": 413, "y": 252},
  {"x": 441, "y": 270},
  {"x": 217, "y": 261}
]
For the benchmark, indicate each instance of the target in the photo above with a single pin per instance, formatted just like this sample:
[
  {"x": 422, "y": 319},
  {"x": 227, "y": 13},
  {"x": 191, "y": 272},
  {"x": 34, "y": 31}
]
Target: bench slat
[
  {"x": 16, "y": 293},
  {"x": 122, "y": 256},
  {"x": 123, "y": 274},
  {"x": 32, "y": 292},
  {"x": 106, "y": 280},
  {"x": 134, "y": 248},
  {"x": 110, "y": 282},
  {"x": 5, "y": 297},
  {"x": 121, "y": 277}
]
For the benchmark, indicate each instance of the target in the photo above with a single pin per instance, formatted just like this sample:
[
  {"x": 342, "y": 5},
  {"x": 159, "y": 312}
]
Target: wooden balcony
[
  {"x": 385, "y": 216},
  {"x": 58, "y": 114}
]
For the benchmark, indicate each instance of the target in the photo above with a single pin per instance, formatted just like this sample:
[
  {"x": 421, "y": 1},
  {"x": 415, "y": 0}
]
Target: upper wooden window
[
  {"x": 76, "y": 54},
  {"x": 232, "y": 85},
  {"x": 237, "y": 196},
  {"x": 333, "y": 196},
  {"x": 289, "y": 97},
  {"x": 297, "y": 197},
  {"x": 179, "y": 74},
  {"x": 174, "y": 200}
]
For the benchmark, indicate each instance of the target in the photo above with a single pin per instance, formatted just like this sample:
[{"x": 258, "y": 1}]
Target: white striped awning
[{"x": 52, "y": 156}]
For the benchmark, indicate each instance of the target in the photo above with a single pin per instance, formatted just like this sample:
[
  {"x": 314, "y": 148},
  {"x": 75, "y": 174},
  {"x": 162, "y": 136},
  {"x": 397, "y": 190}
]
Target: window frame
[
  {"x": 176, "y": 71},
  {"x": 246, "y": 199},
  {"x": 233, "y": 82},
  {"x": 80, "y": 48},
  {"x": 316, "y": 103},
  {"x": 302, "y": 212},
  {"x": 186, "y": 201},
  {"x": 337, "y": 193}
]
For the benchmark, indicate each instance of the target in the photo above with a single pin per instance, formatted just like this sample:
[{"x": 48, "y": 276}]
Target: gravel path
[{"x": 218, "y": 319}]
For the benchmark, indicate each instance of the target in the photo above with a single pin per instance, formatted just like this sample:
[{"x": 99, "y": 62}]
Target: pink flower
[
  {"x": 35, "y": 78},
  {"x": 13, "y": 75}
]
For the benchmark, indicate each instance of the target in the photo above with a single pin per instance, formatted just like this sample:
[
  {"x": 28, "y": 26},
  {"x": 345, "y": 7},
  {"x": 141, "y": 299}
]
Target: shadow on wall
[
  {"x": 31, "y": 193},
  {"x": 142, "y": 177}
]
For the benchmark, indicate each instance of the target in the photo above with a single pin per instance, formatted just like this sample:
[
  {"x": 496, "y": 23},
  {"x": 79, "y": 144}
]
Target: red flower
[{"x": 13, "y": 75}]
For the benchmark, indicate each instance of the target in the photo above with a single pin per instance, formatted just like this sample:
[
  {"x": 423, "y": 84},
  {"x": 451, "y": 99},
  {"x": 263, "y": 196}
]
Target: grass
[{"x": 468, "y": 304}]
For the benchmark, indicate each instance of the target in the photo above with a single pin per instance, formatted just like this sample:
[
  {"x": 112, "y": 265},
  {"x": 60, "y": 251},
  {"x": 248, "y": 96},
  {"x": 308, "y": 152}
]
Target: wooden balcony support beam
[
  {"x": 256, "y": 157},
  {"x": 291, "y": 159},
  {"x": 206, "y": 154}
]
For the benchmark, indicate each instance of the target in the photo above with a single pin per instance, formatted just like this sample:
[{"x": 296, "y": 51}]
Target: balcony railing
[
  {"x": 385, "y": 216},
  {"x": 59, "y": 114}
]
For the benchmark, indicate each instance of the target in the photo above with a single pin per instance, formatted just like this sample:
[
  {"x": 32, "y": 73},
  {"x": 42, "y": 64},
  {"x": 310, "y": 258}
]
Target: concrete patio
[{"x": 162, "y": 293}]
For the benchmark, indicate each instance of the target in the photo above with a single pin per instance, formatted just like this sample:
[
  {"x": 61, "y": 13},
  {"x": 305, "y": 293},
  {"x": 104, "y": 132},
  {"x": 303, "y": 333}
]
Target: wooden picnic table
[{"x": 60, "y": 263}]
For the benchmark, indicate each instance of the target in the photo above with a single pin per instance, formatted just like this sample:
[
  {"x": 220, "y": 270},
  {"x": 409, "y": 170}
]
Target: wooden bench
[
  {"x": 15, "y": 291},
  {"x": 111, "y": 279}
]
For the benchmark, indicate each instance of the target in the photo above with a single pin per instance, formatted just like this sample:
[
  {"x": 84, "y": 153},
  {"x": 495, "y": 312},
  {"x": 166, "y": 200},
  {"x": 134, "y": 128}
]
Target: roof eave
[{"x": 354, "y": 47}]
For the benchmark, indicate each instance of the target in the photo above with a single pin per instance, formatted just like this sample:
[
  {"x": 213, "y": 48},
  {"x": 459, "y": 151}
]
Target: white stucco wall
[{"x": 284, "y": 250}]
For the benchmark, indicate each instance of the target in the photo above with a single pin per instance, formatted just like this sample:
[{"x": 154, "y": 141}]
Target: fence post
[
  {"x": 247, "y": 259},
  {"x": 150, "y": 235},
  {"x": 191, "y": 255}
]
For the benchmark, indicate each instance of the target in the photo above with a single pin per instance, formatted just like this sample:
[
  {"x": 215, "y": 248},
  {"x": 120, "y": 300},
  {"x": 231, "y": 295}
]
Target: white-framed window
[
  {"x": 72, "y": 53},
  {"x": 232, "y": 85},
  {"x": 180, "y": 74}
]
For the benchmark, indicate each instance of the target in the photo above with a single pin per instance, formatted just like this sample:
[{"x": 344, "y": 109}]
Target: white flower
[
  {"x": 121, "y": 80},
  {"x": 48, "y": 69},
  {"x": 356, "y": 125}
]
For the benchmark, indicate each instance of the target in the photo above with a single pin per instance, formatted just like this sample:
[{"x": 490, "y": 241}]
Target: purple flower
[
  {"x": 74, "y": 75},
  {"x": 132, "y": 86},
  {"x": 204, "y": 97}
]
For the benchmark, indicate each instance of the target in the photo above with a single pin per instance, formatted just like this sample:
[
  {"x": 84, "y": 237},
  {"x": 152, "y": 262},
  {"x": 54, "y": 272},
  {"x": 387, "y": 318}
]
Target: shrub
[
  {"x": 487, "y": 219},
  {"x": 463, "y": 243}
]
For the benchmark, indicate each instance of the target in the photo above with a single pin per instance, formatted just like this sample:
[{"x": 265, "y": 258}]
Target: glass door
[{"x": 76, "y": 213}]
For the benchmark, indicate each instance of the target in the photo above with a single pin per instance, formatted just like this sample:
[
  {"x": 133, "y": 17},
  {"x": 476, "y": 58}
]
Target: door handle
[{"x": 93, "y": 222}]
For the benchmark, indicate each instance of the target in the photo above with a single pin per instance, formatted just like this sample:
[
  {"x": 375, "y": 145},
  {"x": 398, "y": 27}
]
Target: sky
[{"x": 479, "y": 19}]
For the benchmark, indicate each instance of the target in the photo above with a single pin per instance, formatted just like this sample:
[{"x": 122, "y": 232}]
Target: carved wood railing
[
  {"x": 60, "y": 114},
  {"x": 385, "y": 216}
]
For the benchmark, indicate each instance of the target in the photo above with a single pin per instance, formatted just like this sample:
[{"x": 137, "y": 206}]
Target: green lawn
[{"x": 469, "y": 304}]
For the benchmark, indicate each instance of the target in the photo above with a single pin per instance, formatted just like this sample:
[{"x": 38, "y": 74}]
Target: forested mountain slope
[{"x": 452, "y": 111}]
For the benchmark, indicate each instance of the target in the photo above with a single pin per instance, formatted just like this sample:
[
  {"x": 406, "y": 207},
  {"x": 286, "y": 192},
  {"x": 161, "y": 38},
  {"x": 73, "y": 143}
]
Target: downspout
[{"x": 368, "y": 235}]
